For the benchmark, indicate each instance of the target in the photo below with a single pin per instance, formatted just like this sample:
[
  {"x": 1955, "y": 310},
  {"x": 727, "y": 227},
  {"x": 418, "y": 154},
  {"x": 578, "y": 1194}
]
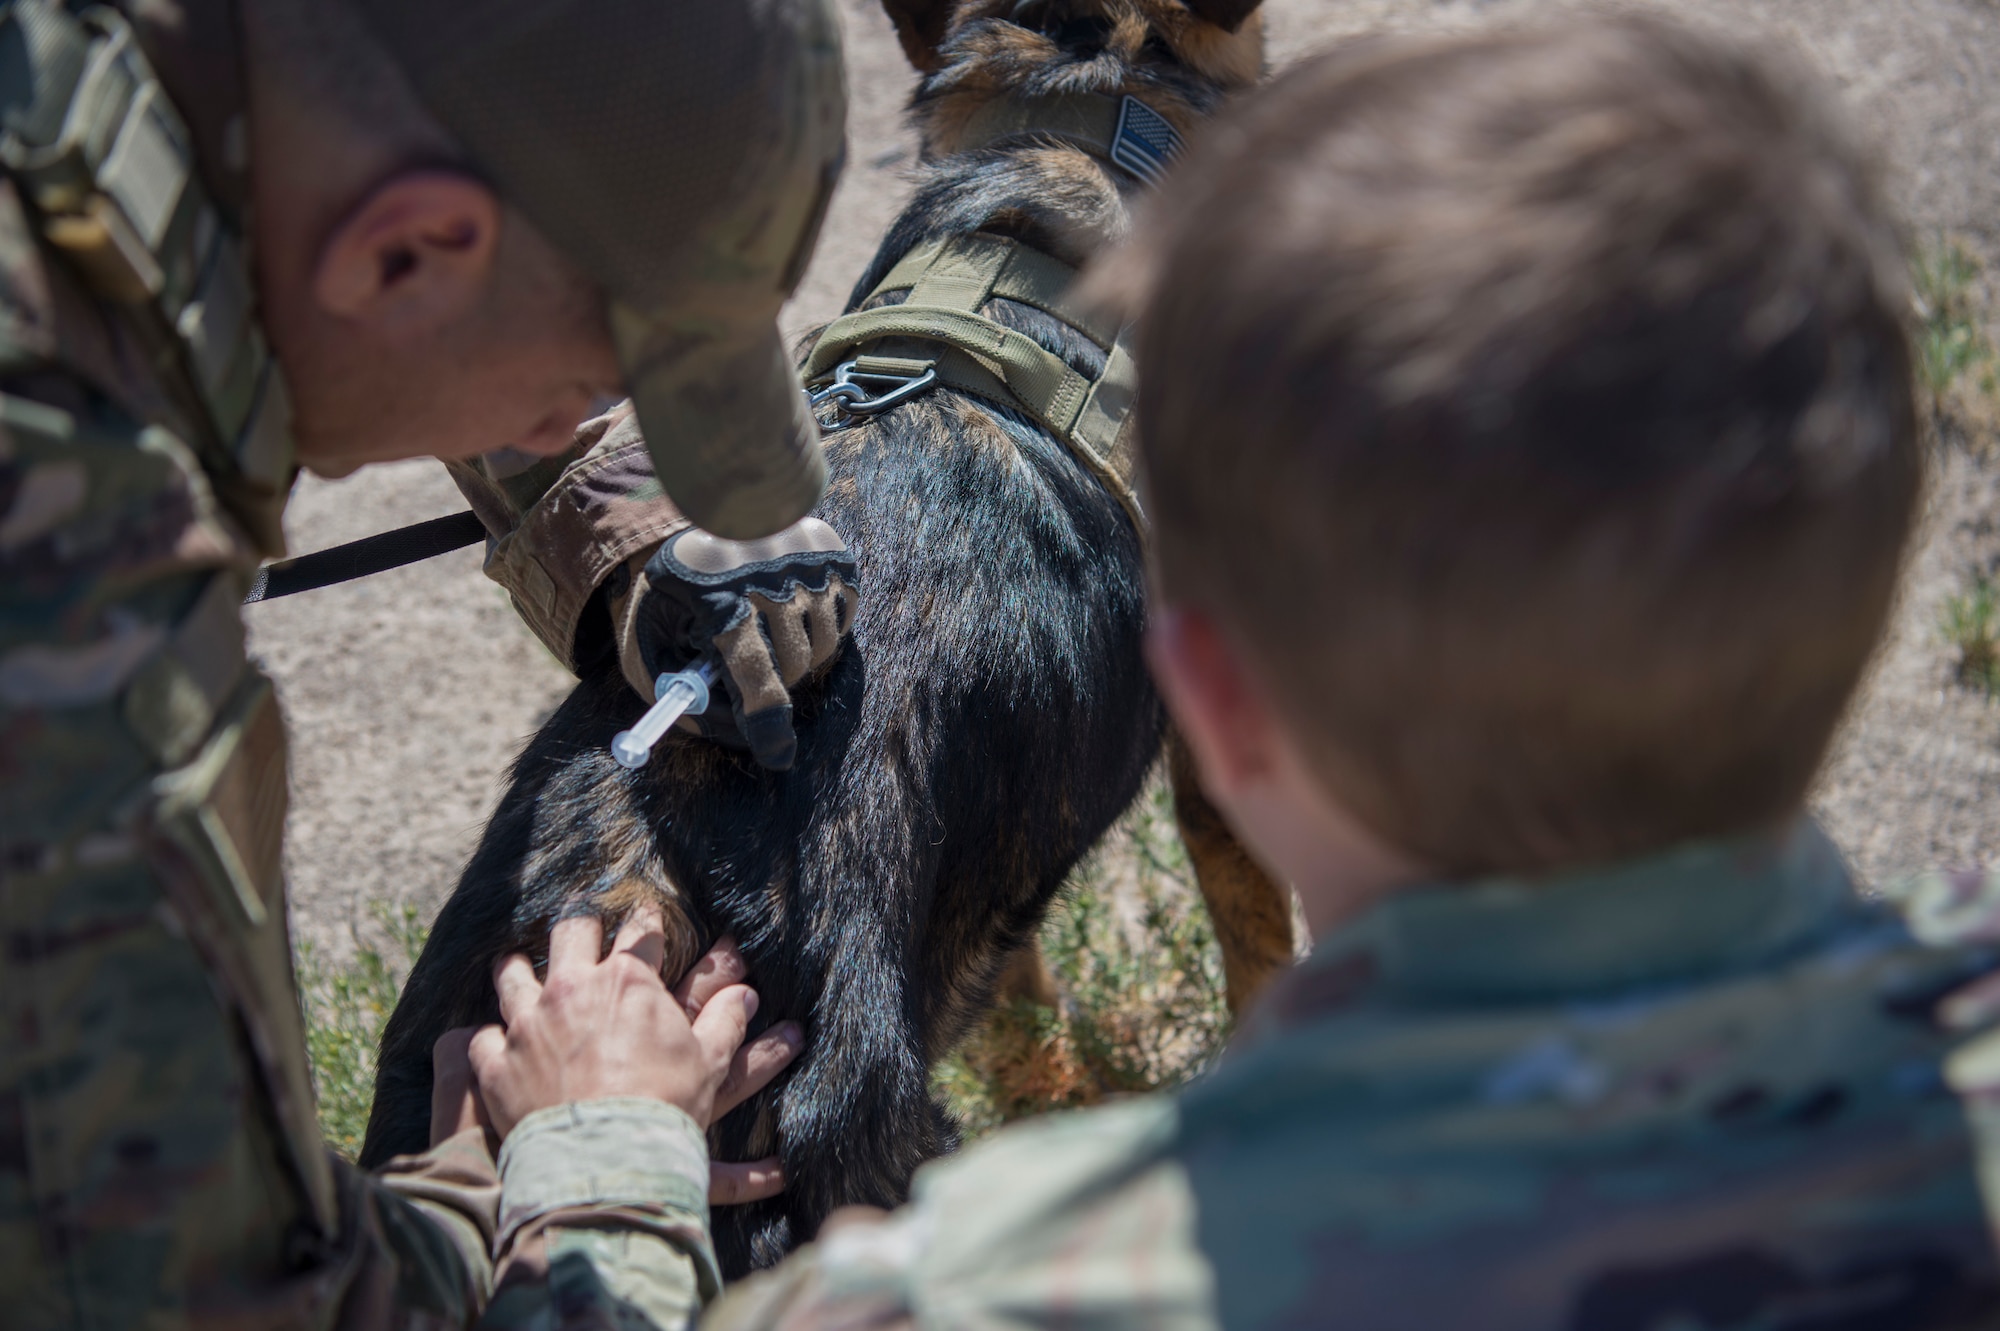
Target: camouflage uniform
[
  {"x": 160, "y": 1160},
  {"x": 564, "y": 526},
  {"x": 1699, "y": 1092}
]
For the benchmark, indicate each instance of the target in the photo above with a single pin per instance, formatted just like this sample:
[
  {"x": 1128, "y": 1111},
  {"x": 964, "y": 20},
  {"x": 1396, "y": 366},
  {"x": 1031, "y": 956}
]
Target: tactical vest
[
  {"x": 108, "y": 167},
  {"x": 133, "y": 239}
]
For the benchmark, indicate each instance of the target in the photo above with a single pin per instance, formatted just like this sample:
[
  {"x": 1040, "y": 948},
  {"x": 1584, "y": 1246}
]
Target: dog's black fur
[{"x": 991, "y": 717}]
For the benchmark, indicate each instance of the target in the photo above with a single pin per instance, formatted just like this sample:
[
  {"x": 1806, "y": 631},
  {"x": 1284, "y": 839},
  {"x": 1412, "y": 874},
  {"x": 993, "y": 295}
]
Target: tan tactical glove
[{"x": 770, "y": 613}]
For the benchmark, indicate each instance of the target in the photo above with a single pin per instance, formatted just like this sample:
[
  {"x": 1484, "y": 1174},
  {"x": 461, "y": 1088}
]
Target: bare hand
[
  {"x": 454, "y": 1094},
  {"x": 595, "y": 1029},
  {"x": 755, "y": 1064}
]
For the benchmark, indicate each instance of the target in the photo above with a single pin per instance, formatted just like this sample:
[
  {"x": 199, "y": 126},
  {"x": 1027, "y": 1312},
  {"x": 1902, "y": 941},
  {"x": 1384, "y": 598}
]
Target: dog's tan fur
[{"x": 1252, "y": 915}]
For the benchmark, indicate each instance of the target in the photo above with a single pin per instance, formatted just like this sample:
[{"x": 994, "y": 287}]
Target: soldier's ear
[
  {"x": 920, "y": 26},
  {"x": 416, "y": 254}
]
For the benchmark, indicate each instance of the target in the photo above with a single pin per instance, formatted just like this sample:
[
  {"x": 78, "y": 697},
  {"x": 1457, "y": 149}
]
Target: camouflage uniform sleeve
[
  {"x": 160, "y": 1156},
  {"x": 603, "y": 1219},
  {"x": 453, "y": 1190},
  {"x": 560, "y": 526},
  {"x": 1076, "y": 1218}
]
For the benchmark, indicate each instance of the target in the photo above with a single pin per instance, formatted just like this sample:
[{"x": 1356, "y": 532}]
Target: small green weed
[
  {"x": 1130, "y": 948},
  {"x": 1971, "y": 623},
  {"x": 345, "y": 1007},
  {"x": 1950, "y": 344}
]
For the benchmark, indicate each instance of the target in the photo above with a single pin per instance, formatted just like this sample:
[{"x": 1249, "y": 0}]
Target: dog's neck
[
  {"x": 988, "y": 165},
  {"x": 1151, "y": 49}
]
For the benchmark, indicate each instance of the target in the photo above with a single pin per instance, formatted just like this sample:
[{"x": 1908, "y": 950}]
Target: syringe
[{"x": 682, "y": 693}]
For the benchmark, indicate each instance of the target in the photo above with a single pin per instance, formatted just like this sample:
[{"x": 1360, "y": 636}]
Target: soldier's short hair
[{"x": 1535, "y": 410}]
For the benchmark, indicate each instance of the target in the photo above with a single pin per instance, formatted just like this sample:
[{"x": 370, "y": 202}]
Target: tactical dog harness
[{"x": 949, "y": 280}]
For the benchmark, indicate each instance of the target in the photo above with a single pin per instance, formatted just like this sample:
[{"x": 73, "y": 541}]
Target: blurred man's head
[
  {"x": 1527, "y": 420},
  {"x": 470, "y": 224},
  {"x": 415, "y": 311}
]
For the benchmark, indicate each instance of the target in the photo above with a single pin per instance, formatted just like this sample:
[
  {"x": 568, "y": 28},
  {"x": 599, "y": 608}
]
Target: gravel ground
[{"x": 408, "y": 693}]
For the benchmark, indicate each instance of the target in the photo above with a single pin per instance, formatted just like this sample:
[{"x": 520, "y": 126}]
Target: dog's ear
[
  {"x": 922, "y": 24},
  {"x": 1227, "y": 15}
]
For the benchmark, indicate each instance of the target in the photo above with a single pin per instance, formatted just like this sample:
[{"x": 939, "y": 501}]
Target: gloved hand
[{"x": 770, "y": 613}]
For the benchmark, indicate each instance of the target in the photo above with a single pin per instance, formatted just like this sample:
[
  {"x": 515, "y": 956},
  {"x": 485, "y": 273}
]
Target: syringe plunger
[{"x": 682, "y": 693}]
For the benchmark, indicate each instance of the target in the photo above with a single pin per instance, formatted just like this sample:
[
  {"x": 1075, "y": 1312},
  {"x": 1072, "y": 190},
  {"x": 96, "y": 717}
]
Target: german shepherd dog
[{"x": 990, "y": 719}]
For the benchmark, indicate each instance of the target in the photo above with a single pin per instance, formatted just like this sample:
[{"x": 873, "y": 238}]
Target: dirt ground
[{"x": 409, "y": 693}]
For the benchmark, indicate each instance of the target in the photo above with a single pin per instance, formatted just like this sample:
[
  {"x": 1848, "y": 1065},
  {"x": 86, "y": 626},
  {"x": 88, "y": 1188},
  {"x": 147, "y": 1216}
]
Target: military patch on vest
[{"x": 1145, "y": 143}]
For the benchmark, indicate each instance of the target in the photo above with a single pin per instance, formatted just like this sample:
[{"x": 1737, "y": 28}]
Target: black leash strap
[{"x": 373, "y": 554}]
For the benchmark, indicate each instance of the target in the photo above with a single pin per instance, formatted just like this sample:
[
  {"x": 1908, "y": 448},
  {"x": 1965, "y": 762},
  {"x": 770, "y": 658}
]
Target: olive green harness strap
[
  {"x": 937, "y": 335},
  {"x": 990, "y": 266}
]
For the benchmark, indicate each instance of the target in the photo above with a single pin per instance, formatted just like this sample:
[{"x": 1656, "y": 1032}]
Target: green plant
[
  {"x": 1141, "y": 1008},
  {"x": 1949, "y": 343},
  {"x": 345, "y": 1005},
  {"x": 1971, "y": 623}
]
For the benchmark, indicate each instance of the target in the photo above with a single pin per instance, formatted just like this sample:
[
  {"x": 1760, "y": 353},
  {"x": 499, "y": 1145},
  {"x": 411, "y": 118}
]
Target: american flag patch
[{"x": 1145, "y": 144}]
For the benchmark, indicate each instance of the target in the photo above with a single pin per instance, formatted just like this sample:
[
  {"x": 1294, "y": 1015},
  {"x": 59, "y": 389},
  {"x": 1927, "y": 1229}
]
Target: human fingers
[
  {"x": 487, "y": 1055},
  {"x": 448, "y": 1051},
  {"x": 751, "y": 1181},
  {"x": 720, "y": 1026},
  {"x": 644, "y": 935},
  {"x": 719, "y": 967},
  {"x": 576, "y": 943},
  {"x": 454, "y": 1104},
  {"x": 482, "y": 1052},
  {"x": 515, "y": 983},
  {"x": 756, "y": 1063}
]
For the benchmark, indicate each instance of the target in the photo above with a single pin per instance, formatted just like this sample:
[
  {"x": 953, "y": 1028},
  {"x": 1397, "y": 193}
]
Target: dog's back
[{"x": 990, "y": 720}]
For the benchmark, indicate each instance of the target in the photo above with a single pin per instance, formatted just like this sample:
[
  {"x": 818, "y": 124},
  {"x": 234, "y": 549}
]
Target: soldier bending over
[{"x": 239, "y": 236}]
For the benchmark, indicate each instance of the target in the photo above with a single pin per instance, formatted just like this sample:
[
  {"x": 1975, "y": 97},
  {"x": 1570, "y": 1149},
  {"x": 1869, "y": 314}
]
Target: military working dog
[{"x": 990, "y": 719}]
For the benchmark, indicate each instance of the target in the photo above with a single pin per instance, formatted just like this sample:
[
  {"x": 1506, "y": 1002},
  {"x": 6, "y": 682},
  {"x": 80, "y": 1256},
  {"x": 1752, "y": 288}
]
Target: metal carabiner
[{"x": 856, "y": 393}]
